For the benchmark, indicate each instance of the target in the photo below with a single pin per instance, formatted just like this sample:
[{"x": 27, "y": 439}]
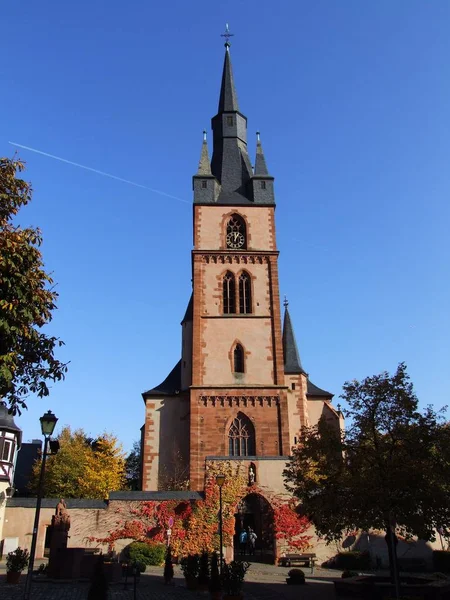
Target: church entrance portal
[{"x": 255, "y": 512}]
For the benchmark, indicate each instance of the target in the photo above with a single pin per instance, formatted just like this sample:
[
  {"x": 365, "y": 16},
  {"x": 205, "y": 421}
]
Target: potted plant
[
  {"x": 233, "y": 575},
  {"x": 215, "y": 583},
  {"x": 190, "y": 567},
  {"x": 296, "y": 577},
  {"x": 168, "y": 566},
  {"x": 203, "y": 575},
  {"x": 16, "y": 562}
]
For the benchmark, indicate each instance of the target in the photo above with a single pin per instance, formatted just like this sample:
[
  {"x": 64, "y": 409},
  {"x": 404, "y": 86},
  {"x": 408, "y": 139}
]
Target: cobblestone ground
[{"x": 264, "y": 582}]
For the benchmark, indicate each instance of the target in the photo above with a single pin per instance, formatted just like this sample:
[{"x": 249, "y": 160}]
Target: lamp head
[
  {"x": 48, "y": 423},
  {"x": 220, "y": 480}
]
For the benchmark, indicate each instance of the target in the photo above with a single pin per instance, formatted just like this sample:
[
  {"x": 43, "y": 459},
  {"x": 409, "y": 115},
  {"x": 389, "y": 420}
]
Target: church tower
[{"x": 239, "y": 392}]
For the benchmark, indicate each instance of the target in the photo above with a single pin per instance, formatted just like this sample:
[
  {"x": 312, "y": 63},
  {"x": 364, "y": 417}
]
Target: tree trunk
[{"x": 392, "y": 541}]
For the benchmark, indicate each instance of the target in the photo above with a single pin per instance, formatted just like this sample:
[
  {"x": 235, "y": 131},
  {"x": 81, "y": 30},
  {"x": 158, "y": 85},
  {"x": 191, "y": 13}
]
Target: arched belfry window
[
  {"x": 241, "y": 437},
  {"x": 238, "y": 359},
  {"x": 245, "y": 293},
  {"x": 236, "y": 235},
  {"x": 229, "y": 293}
]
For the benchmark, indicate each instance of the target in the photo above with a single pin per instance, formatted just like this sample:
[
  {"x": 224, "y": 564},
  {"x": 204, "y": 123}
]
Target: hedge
[
  {"x": 441, "y": 561},
  {"x": 148, "y": 554},
  {"x": 353, "y": 561}
]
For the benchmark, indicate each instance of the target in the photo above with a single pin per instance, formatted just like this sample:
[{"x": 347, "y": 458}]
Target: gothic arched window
[
  {"x": 241, "y": 437},
  {"x": 236, "y": 236},
  {"x": 238, "y": 359},
  {"x": 245, "y": 293},
  {"x": 229, "y": 293}
]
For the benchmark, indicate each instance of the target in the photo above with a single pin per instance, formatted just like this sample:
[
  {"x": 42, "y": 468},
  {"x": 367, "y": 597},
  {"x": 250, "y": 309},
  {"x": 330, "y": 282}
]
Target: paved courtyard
[{"x": 263, "y": 582}]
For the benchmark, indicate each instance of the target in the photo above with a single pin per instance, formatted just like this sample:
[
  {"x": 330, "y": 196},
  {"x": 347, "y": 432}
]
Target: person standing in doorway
[
  {"x": 243, "y": 542},
  {"x": 251, "y": 541}
]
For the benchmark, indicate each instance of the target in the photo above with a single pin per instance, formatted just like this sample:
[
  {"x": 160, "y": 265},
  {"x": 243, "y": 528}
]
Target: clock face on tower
[
  {"x": 235, "y": 239},
  {"x": 236, "y": 233}
]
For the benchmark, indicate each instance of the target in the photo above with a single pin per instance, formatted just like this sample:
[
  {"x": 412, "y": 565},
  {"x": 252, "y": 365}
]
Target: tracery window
[
  {"x": 238, "y": 359},
  {"x": 245, "y": 294},
  {"x": 236, "y": 233},
  {"x": 229, "y": 293},
  {"x": 241, "y": 437}
]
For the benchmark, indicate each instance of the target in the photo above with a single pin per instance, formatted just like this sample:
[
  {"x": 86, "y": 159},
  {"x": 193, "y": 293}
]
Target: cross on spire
[{"x": 227, "y": 35}]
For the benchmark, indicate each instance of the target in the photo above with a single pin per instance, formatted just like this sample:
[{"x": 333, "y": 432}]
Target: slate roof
[
  {"x": 188, "y": 315},
  {"x": 7, "y": 423},
  {"x": 204, "y": 167},
  {"x": 260, "y": 162},
  {"x": 170, "y": 386},
  {"x": 228, "y": 101},
  {"x": 72, "y": 503},
  {"x": 314, "y": 391},
  {"x": 292, "y": 363},
  {"x": 160, "y": 495}
]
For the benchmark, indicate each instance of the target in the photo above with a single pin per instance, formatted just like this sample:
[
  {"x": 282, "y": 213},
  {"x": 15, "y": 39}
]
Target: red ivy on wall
[{"x": 195, "y": 524}]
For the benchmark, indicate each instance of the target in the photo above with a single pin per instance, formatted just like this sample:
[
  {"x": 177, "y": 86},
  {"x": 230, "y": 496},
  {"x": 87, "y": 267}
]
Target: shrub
[
  {"x": 168, "y": 566},
  {"x": 348, "y": 573},
  {"x": 190, "y": 566},
  {"x": 297, "y": 575},
  {"x": 98, "y": 589},
  {"x": 233, "y": 576},
  {"x": 412, "y": 564},
  {"x": 215, "y": 582},
  {"x": 17, "y": 560},
  {"x": 147, "y": 554},
  {"x": 441, "y": 561},
  {"x": 203, "y": 576},
  {"x": 353, "y": 560}
]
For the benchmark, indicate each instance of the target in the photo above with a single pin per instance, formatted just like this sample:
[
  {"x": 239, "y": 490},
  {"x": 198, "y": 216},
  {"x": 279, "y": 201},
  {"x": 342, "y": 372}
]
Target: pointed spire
[
  {"x": 260, "y": 162},
  {"x": 228, "y": 101},
  {"x": 292, "y": 363},
  {"x": 204, "y": 166}
]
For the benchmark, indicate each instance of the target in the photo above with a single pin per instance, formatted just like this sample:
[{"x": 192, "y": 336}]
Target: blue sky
[{"x": 352, "y": 99}]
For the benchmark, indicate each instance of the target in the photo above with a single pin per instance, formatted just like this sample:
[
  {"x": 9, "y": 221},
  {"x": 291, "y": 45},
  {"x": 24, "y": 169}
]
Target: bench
[{"x": 288, "y": 560}]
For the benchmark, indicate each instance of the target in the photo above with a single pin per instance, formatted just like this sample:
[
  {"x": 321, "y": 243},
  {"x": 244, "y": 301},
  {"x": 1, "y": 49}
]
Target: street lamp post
[
  {"x": 48, "y": 422},
  {"x": 220, "y": 480}
]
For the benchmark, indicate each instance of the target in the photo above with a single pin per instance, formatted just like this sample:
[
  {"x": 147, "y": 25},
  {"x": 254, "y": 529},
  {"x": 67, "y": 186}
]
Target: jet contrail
[{"x": 70, "y": 162}]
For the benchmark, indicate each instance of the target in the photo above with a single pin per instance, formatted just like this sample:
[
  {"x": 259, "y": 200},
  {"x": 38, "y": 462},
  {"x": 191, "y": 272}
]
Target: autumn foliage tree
[
  {"x": 83, "y": 467},
  {"x": 27, "y": 300}
]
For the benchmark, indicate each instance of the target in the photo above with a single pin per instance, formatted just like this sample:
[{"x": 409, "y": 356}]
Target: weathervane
[
  {"x": 286, "y": 302},
  {"x": 227, "y": 35}
]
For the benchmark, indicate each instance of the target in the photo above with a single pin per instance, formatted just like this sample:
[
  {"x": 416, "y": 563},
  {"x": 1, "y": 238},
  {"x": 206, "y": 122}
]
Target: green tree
[
  {"x": 390, "y": 468},
  {"x": 133, "y": 467},
  {"x": 83, "y": 468},
  {"x": 27, "y": 300}
]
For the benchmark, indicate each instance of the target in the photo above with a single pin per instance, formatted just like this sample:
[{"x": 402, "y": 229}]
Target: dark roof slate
[
  {"x": 160, "y": 495},
  {"x": 260, "y": 162},
  {"x": 204, "y": 166},
  {"x": 170, "y": 386},
  {"x": 228, "y": 101},
  {"x": 292, "y": 363},
  {"x": 188, "y": 315},
  {"x": 72, "y": 503},
  {"x": 7, "y": 422},
  {"x": 314, "y": 391}
]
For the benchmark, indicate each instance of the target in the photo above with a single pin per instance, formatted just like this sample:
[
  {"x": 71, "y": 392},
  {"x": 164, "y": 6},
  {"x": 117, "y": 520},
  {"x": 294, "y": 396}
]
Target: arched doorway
[{"x": 255, "y": 512}]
